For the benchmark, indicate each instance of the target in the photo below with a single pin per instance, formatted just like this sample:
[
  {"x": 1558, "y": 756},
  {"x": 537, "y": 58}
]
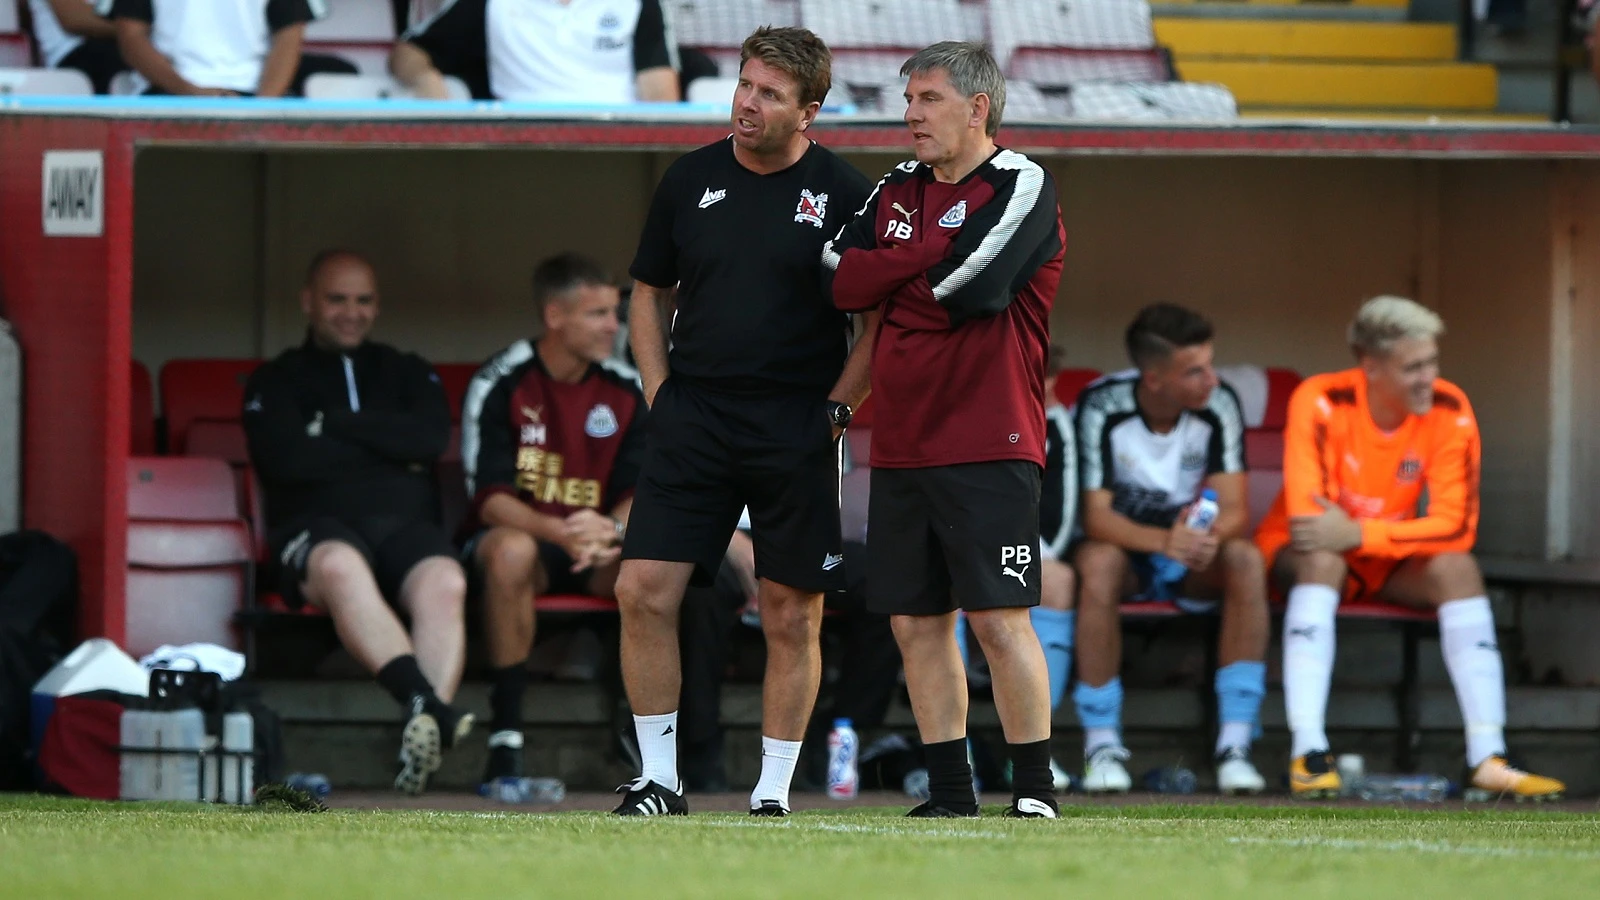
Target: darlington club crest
[{"x": 813, "y": 208}]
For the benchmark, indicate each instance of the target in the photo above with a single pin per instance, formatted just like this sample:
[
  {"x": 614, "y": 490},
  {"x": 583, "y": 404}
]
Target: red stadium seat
[
  {"x": 141, "y": 410},
  {"x": 194, "y": 390},
  {"x": 190, "y": 556},
  {"x": 1280, "y": 385},
  {"x": 455, "y": 377},
  {"x": 218, "y": 440},
  {"x": 1263, "y": 449},
  {"x": 169, "y": 488},
  {"x": 1262, "y": 489},
  {"x": 1071, "y": 382}
]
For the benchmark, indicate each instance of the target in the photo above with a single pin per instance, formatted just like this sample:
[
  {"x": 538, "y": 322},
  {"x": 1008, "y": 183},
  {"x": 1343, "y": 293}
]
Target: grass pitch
[{"x": 66, "y": 848}]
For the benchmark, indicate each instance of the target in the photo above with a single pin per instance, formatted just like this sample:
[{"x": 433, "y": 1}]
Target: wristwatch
[
  {"x": 840, "y": 414},
  {"x": 622, "y": 529}
]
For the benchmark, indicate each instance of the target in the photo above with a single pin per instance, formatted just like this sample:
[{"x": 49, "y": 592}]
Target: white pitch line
[
  {"x": 1412, "y": 847},
  {"x": 851, "y": 828}
]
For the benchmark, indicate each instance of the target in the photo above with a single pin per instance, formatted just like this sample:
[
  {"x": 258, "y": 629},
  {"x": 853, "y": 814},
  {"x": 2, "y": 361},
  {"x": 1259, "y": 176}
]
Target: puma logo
[
  {"x": 1015, "y": 574},
  {"x": 902, "y": 211},
  {"x": 1309, "y": 632}
]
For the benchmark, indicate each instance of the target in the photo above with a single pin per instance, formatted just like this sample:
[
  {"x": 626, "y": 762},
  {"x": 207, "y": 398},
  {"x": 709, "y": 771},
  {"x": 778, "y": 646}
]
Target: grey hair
[
  {"x": 972, "y": 71},
  {"x": 1383, "y": 320}
]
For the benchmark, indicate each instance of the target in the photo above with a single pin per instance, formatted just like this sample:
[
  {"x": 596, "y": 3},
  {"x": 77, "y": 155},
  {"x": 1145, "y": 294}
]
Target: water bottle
[
  {"x": 313, "y": 783},
  {"x": 1409, "y": 788},
  {"x": 1170, "y": 780},
  {"x": 1352, "y": 768},
  {"x": 844, "y": 779},
  {"x": 238, "y": 758},
  {"x": 1202, "y": 515},
  {"x": 523, "y": 789}
]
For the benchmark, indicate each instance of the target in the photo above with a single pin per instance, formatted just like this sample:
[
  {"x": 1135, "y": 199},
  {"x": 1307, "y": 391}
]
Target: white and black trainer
[{"x": 643, "y": 797}]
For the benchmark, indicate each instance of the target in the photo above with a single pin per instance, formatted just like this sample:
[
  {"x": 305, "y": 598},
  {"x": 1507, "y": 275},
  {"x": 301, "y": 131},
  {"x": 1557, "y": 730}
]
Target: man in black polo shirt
[{"x": 758, "y": 393}]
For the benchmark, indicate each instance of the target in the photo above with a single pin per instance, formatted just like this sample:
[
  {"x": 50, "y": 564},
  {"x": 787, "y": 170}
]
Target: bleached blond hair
[{"x": 1383, "y": 320}]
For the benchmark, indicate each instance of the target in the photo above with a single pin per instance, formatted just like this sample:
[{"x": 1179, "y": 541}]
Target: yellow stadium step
[
  {"x": 1291, "y": 39},
  {"x": 1350, "y": 85}
]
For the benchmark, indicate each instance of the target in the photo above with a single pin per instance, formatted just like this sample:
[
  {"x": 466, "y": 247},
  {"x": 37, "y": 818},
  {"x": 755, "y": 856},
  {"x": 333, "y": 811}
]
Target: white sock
[
  {"x": 658, "y": 747},
  {"x": 1472, "y": 656},
  {"x": 1236, "y": 734},
  {"x": 1094, "y": 738},
  {"x": 778, "y": 759},
  {"x": 1308, "y": 664}
]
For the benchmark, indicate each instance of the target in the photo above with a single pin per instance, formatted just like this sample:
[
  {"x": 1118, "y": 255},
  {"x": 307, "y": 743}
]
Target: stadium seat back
[
  {"x": 218, "y": 440},
  {"x": 181, "y": 489},
  {"x": 354, "y": 21},
  {"x": 1281, "y": 384},
  {"x": 184, "y": 606},
  {"x": 1078, "y": 25},
  {"x": 724, "y": 23},
  {"x": 1170, "y": 101},
  {"x": 1263, "y": 449},
  {"x": 455, "y": 377},
  {"x": 195, "y": 390},
  {"x": 1071, "y": 382},
  {"x": 28, "y": 82},
  {"x": 141, "y": 409},
  {"x": 907, "y": 24},
  {"x": 344, "y": 86},
  {"x": 1263, "y": 486},
  {"x": 1074, "y": 68}
]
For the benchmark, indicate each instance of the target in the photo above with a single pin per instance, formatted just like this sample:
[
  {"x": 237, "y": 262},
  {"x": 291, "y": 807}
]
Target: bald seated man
[{"x": 344, "y": 433}]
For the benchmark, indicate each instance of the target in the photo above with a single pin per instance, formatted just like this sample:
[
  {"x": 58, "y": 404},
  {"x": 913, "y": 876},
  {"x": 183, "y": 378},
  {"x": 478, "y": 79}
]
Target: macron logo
[
  {"x": 710, "y": 197},
  {"x": 831, "y": 561}
]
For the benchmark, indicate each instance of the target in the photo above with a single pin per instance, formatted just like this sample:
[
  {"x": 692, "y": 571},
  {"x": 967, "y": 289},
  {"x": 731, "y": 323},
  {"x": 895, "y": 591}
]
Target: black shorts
[
  {"x": 962, "y": 536},
  {"x": 391, "y": 545},
  {"x": 555, "y": 560},
  {"x": 710, "y": 454}
]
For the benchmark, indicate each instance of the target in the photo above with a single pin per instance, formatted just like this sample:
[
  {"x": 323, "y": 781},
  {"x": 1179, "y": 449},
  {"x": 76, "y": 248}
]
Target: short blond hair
[{"x": 1385, "y": 319}]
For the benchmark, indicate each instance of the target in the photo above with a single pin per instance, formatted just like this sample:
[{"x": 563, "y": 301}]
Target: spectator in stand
[
  {"x": 344, "y": 433},
  {"x": 552, "y": 434},
  {"x": 1151, "y": 439},
  {"x": 220, "y": 48},
  {"x": 72, "y": 34},
  {"x": 542, "y": 51}
]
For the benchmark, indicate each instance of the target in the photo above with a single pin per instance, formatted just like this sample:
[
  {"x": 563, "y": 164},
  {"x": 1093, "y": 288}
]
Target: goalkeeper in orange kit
[{"x": 1380, "y": 500}]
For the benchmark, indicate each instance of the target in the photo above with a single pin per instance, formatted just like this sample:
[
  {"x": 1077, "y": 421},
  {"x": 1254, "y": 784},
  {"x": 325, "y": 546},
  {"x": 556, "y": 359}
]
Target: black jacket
[{"x": 349, "y": 435}]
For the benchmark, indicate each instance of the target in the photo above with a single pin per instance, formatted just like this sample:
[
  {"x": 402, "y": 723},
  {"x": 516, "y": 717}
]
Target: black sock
[
  {"x": 403, "y": 679},
  {"x": 1030, "y": 770},
  {"x": 505, "y": 696},
  {"x": 950, "y": 776}
]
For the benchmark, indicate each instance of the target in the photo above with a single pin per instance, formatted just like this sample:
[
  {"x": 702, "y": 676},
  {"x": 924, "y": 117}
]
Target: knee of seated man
[
  {"x": 334, "y": 561},
  {"x": 506, "y": 553},
  {"x": 1101, "y": 568},
  {"x": 1241, "y": 556},
  {"x": 1319, "y": 567},
  {"x": 1456, "y": 576},
  {"x": 438, "y": 582}
]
